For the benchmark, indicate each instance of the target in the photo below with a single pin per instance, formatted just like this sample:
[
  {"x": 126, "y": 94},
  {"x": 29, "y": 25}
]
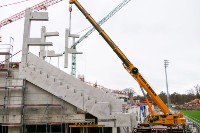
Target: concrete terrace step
[
  {"x": 75, "y": 96},
  {"x": 69, "y": 94},
  {"x": 70, "y": 89}
]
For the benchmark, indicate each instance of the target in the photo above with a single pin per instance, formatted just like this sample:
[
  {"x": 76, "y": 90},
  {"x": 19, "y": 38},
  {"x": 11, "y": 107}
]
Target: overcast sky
[{"x": 147, "y": 31}]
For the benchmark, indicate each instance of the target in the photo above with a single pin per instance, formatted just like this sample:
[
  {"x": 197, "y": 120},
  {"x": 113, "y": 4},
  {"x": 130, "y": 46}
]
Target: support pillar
[
  {"x": 71, "y": 50},
  {"x": 114, "y": 129},
  {"x": 86, "y": 130},
  {"x": 44, "y": 35},
  {"x": 27, "y": 41},
  {"x": 82, "y": 130},
  {"x": 66, "y": 128}
]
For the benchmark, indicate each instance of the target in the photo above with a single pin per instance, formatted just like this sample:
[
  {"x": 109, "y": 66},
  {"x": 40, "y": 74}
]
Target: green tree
[{"x": 163, "y": 96}]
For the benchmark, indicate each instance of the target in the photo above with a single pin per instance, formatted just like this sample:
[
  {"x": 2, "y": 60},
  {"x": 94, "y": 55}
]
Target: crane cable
[
  {"x": 70, "y": 17},
  {"x": 10, "y": 57},
  {"x": 14, "y": 3}
]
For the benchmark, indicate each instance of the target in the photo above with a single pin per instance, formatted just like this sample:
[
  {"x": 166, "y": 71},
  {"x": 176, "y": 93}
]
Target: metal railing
[{"x": 193, "y": 125}]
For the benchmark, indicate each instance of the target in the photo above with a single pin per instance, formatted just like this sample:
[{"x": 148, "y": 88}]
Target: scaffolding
[
  {"x": 14, "y": 103},
  {"x": 6, "y": 50},
  {"x": 13, "y": 96},
  {"x": 42, "y": 119}
]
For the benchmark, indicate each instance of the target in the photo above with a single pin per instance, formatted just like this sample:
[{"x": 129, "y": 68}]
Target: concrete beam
[
  {"x": 74, "y": 35},
  {"x": 66, "y": 48},
  {"x": 39, "y": 16},
  {"x": 49, "y": 34},
  {"x": 51, "y": 54},
  {"x": 37, "y": 42}
]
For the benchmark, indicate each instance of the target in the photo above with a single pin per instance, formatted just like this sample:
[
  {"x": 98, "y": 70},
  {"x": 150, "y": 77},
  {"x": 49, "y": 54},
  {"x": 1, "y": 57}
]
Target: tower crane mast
[
  {"x": 115, "y": 10},
  {"x": 108, "y": 16}
]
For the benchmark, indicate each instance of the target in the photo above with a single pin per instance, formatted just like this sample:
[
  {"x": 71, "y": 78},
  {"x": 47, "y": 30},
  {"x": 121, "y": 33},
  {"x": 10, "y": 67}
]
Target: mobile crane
[{"x": 166, "y": 118}]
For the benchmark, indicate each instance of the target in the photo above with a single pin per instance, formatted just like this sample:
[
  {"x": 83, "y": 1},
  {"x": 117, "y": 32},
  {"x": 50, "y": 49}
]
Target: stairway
[{"x": 55, "y": 81}]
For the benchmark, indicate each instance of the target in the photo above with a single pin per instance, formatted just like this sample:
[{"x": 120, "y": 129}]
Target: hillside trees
[{"x": 177, "y": 98}]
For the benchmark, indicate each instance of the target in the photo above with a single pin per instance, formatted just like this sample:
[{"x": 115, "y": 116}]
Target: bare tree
[{"x": 197, "y": 89}]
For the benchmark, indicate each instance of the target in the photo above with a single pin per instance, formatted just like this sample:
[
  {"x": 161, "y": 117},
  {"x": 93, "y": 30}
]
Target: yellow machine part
[
  {"x": 86, "y": 124},
  {"x": 173, "y": 119}
]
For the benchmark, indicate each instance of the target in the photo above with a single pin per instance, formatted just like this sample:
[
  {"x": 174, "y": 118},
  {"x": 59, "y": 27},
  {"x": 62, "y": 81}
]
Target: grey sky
[{"x": 147, "y": 31}]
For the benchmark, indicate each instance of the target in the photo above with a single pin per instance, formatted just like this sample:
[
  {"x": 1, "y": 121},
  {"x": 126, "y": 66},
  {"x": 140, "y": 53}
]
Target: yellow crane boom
[
  {"x": 127, "y": 64},
  {"x": 167, "y": 117}
]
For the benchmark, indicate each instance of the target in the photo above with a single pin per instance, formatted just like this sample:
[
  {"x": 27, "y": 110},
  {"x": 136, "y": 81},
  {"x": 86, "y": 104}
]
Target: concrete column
[
  {"x": 43, "y": 39},
  {"x": 82, "y": 130},
  {"x": 66, "y": 128},
  {"x": 114, "y": 129},
  {"x": 30, "y": 16},
  {"x": 7, "y": 61},
  {"x": 45, "y": 34},
  {"x": 86, "y": 129}
]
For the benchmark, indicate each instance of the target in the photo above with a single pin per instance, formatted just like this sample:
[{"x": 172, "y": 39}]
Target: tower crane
[
  {"x": 41, "y": 6},
  {"x": 108, "y": 16}
]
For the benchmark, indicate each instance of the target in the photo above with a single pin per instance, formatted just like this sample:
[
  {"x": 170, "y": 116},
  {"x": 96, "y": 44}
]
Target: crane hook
[{"x": 70, "y": 16}]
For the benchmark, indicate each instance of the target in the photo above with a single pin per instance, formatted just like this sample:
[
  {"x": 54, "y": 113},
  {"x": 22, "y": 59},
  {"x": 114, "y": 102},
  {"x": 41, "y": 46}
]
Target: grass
[{"x": 193, "y": 114}]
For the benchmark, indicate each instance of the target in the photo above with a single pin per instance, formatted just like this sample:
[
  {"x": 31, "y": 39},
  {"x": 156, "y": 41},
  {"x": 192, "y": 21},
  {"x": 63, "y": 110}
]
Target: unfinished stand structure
[
  {"x": 39, "y": 97},
  {"x": 9, "y": 83}
]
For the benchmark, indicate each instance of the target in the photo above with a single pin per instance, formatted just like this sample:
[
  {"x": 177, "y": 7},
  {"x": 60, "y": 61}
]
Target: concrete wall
[
  {"x": 56, "y": 111},
  {"x": 35, "y": 101}
]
